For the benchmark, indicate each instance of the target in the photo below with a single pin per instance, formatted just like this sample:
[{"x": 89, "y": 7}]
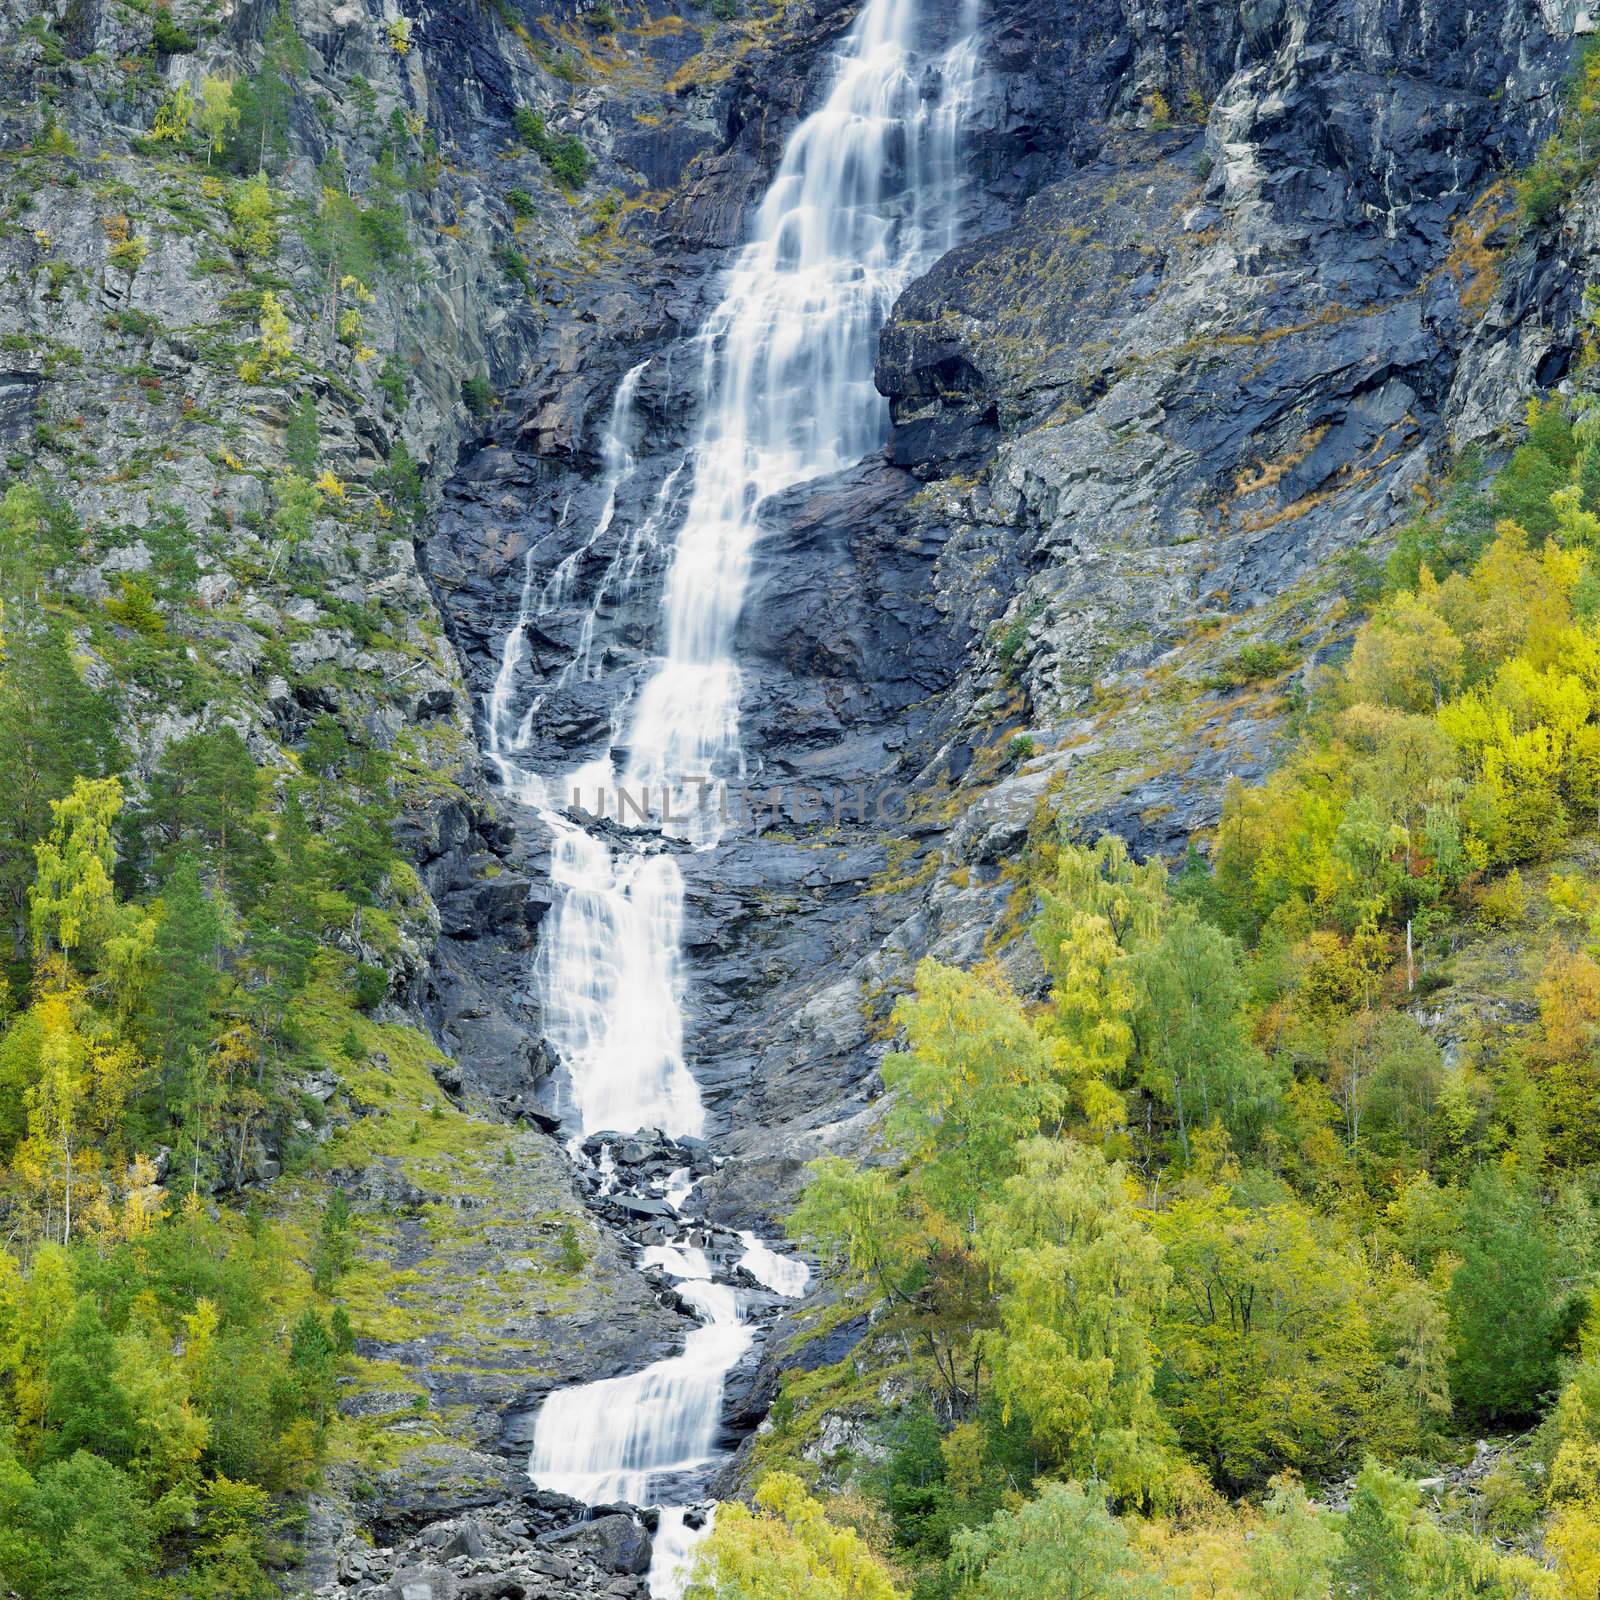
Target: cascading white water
[
  {"x": 610, "y": 960},
  {"x": 862, "y": 200},
  {"x": 507, "y": 733},
  {"x": 865, "y": 197},
  {"x": 639, "y": 1437},
  {"x": 621, "y": 1438},
  {"x": 612, "y": 986}
]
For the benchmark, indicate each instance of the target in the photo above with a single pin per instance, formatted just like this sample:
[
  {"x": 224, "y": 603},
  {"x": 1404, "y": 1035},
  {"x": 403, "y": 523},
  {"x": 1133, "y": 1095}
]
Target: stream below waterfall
[{"x": 865, "y": 197}]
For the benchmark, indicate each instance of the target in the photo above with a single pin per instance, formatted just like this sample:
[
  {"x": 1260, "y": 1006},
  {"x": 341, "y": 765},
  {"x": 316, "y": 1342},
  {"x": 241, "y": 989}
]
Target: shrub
[
  {"x": 169, "y": 38},
  {"x": 392, "y": 383},
  {"x": 477, "y": 395},
  {"x": 563, "y": 154},
  {"x": 1503, "y": 902},
  {"x": 516, "y": 268},
  {"x": 573, "y": 1259},
  {"x": 372, "y": 984},
  {"x": 1011, "y": 643},
  {"x": 1252, "y": 663}
]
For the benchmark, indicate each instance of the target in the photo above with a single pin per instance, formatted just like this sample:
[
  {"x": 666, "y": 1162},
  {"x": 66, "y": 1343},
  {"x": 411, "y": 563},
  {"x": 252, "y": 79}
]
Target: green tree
[
  {"x": 36, "y": 534},
  {"x": 313, "y": 1366},
  {"x": 1375, "y": 1563},
  {"x": 266, "y": 99},
  {"x": 273, "y": 346},
  {"x": 1063, "y": 1544},
  {"x": 219, "y": 113},
  {"x": 1269, "y": 1355},
  {"x": 1523, "y": 491},
  {"x": 87, "y": 1409},
  {"x": 176, "y": 1020},
  {"x": 73, "y": 899},
  {"x": 53, "y": 728},
  {"x": 784, "y": 1547},
  {"x": 1082, "y": 1281},
  {"x": 334, "y": 1249},
  {"x": 253, "y": 216},
  {"x": 974, "y": 1080},
  {"x": 1295, "y": 1547},
  {"x": 1502, "y": 1300},
  {"x": 1102, "y": 881},
  {"x": 168, "y": 1434},
  {"x": 285, "y": 924},
  {"x": 202, "y": 802},
  {"x": 1196, "y": 1055},
  {"x": 298, "y": 505},
  {"x": 78, "y": 1531}
]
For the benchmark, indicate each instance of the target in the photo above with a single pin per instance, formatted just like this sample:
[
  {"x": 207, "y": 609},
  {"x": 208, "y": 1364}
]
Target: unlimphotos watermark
[{"x": 735, "y": 806}]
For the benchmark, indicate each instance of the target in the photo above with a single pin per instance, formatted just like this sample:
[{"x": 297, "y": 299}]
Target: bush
[
  {"x": 530, "y": 127},
  {"x": 1503, "y": 902},
  {"x": 136, "y": 324},
  {"x": 563, "y": 154},
  {"x": 516, "y": 268},
  {"x": 568, "y": 162},
  {"x": 372, "y": 984},
  {"x": 1252, "y": 663},
  {"x": 573, "y": 1259},
  {"x": 169, "y": 38},
  {"x": 521, "y": 203},
  {"x": 392, "y": 383}
]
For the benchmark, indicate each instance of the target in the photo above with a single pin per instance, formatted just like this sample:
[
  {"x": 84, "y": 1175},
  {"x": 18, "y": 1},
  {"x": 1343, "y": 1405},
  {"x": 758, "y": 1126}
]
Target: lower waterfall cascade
[{"x": 865, "y": 197}]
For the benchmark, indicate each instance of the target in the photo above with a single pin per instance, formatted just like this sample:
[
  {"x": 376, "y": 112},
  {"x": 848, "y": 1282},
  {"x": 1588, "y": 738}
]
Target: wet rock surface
[
  {"x": 1232, "y": 286},
  {"x": 525, "y": 1545}
]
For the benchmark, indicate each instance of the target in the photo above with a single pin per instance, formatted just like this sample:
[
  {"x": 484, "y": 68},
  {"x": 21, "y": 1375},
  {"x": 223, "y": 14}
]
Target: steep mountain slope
[
  {"x": 1265, "y": 278},
  {"x": 1235, "y": 285}
]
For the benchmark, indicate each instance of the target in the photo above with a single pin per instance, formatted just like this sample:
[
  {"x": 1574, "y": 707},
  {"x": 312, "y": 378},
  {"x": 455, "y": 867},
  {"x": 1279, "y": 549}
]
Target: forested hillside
[
  {"x": 1288, "y": 1186},
  {"x": 230, "y": 726}
]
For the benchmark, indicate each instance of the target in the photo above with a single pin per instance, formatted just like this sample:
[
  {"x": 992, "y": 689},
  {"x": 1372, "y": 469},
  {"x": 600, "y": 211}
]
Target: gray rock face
[
  {"x": 1235, "y": 280},
  {"x": 615, "y": 1543},
  {"x": 530, "y": 1545}
]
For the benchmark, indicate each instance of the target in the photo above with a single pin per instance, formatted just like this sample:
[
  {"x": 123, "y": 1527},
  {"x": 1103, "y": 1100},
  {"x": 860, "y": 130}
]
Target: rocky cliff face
[{"x": 1237, "y": 281}]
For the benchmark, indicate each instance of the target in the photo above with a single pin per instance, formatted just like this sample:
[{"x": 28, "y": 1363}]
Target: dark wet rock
[
  {"x": 527, "y": 1543},
  {"x": 615, "y": 1543}
]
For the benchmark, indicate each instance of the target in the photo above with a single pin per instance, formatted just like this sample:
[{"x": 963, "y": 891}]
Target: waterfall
[
  {"x": 507, "y": 733},
  {"x": 626, "y": 1438},
  {"x": 864, "y": 198}
]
